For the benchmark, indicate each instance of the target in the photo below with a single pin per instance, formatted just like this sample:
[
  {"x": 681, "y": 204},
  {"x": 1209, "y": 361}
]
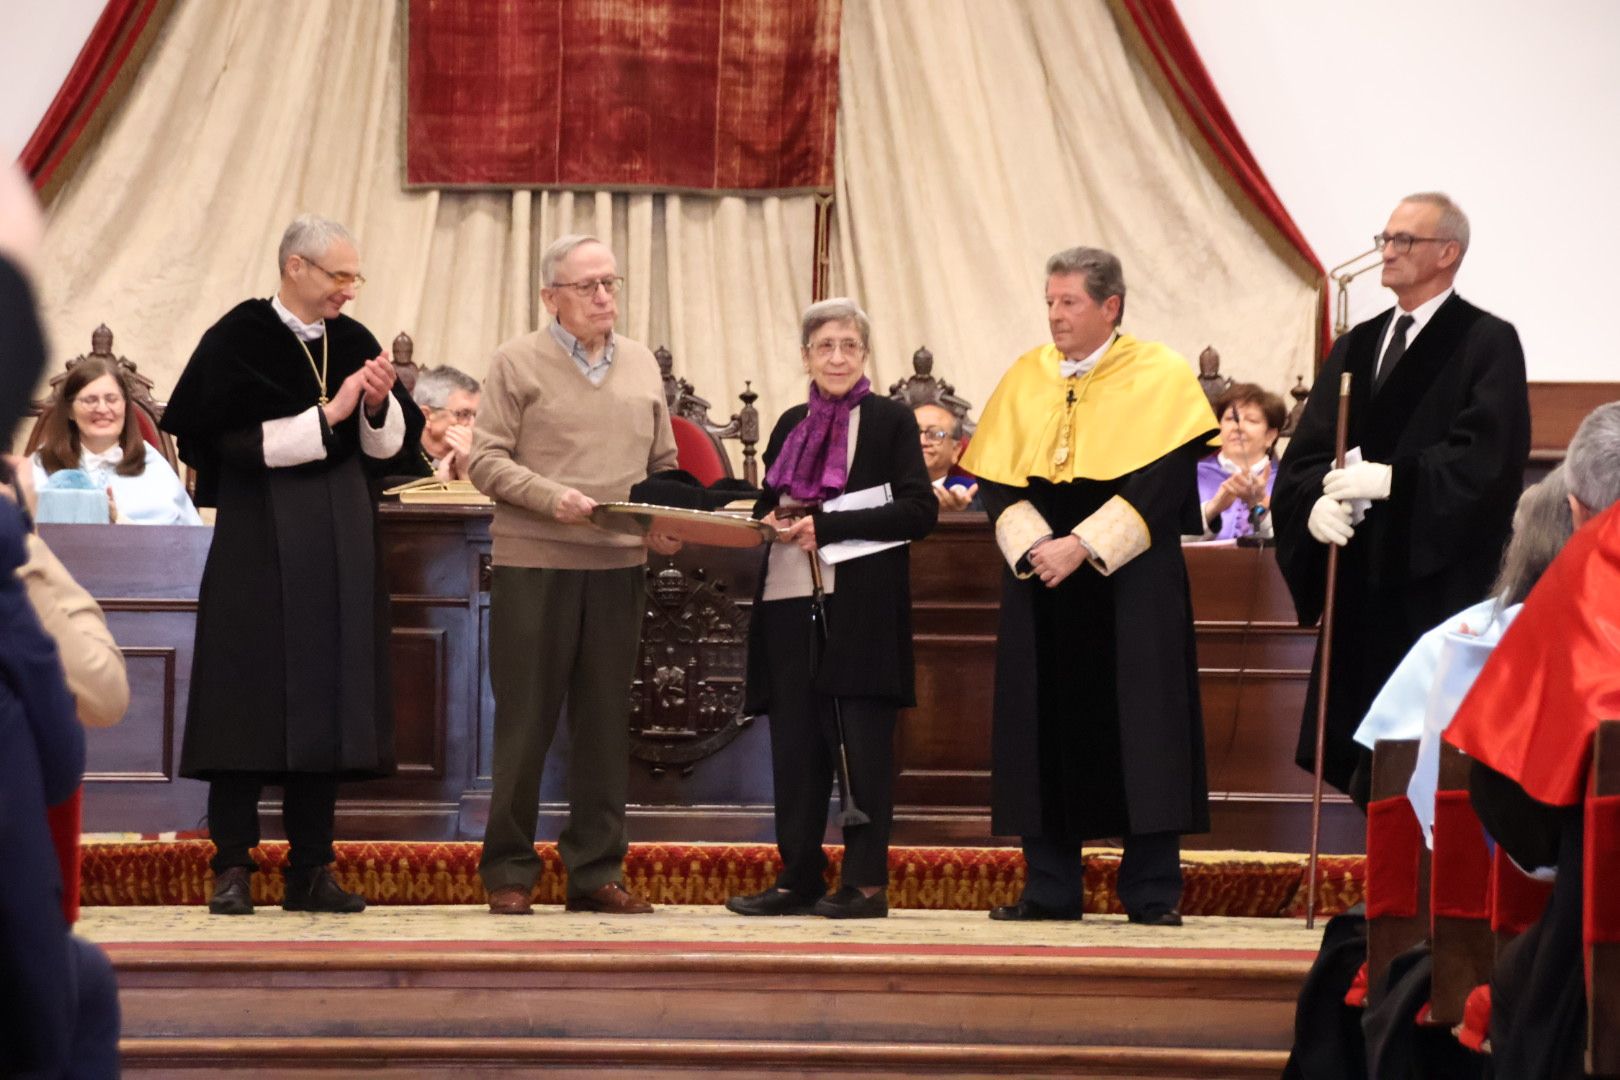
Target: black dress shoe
[
  {"x": 318, "y": 890},
  {"x": 1158, "y": 915},
  {"x": 850, "y": 903},
  {"x": 1030, "y": 911},
  {"x": 772, "y": 902},
  {"x": 233, "y": 892}
]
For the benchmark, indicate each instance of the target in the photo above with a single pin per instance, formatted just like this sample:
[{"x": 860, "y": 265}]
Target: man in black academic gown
[
  {"x": 279, "y": 411},
  {"x": 1087, "y": 457},
  {"x": 1439, "y": 431}
]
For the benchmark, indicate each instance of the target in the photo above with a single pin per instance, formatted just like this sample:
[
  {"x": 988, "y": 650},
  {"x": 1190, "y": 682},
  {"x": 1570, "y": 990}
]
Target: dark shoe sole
[
  {"x": 852, "y": 913},
  {"x": 229, "y": 908},
  {"x": 1010, "y": 913},
  {"x": 795, "y": 909}
]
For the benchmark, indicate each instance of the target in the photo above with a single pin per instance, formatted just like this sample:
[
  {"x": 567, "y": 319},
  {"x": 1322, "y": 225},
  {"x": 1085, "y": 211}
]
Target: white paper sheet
[{"x": 865, "y": 499}]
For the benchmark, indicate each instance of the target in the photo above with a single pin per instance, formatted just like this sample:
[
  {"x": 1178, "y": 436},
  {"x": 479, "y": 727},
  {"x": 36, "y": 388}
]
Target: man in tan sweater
[{"x": 572, "y": 415}]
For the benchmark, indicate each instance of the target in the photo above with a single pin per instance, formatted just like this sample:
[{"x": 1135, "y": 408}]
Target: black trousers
[
  {"x": 804, "y": 760},
  {"x": 1149, "y": 872},
  {"x": 309, "y": 804}
]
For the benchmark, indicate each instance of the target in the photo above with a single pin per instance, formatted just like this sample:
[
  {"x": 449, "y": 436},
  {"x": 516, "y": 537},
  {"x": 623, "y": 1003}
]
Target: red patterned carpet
[{"x": 1254, "y": 884}]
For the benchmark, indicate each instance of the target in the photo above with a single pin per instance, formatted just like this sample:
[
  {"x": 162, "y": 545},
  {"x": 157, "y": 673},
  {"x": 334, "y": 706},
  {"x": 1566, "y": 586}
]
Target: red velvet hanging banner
[
  {"x": 700, "y": 95},
  {"x": 1460, "y": 871},
  {"x": 1394, "y": 857}
]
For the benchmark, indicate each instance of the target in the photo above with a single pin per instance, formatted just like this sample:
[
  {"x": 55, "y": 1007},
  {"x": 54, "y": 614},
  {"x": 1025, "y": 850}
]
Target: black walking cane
[{"x": 848, "y": 813}]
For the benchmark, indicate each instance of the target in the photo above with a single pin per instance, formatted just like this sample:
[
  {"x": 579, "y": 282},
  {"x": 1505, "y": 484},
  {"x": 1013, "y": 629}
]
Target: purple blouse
[{"x": 1235, "y": 518}]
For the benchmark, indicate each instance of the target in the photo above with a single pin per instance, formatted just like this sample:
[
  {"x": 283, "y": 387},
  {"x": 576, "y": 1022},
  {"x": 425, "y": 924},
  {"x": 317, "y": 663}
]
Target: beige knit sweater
[{"x": 543, "y": 428}]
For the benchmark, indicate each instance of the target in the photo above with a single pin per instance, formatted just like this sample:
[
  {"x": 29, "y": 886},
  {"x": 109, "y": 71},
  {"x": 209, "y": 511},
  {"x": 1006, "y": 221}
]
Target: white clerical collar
[
  {"x": 1069, "y": 368},
  {"x": 1229, "y": 466},
  {"x": 305, "y": 331}
]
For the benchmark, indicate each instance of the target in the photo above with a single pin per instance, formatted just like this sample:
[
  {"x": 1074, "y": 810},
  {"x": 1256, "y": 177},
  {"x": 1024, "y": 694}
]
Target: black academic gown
[
  {"x": 290, "y": 671},
  {"x": 1453, "y": 419},
  {"x": 1098, "y": 730}
]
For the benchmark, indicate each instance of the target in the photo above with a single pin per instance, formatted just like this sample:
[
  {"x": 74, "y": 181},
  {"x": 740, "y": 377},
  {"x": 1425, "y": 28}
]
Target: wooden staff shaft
[{"x": 1339, "y": 435}]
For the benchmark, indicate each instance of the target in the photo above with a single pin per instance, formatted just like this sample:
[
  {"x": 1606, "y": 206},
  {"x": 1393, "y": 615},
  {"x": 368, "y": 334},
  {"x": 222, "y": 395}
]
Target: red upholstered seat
[
  {"x": 149, "y": 429},
  {"x": 64, "y": 819},
  {"x": 698, "y": 452}
]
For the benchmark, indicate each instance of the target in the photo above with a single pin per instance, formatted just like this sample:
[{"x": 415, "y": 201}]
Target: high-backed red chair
[{"x": 697, "y": 437}]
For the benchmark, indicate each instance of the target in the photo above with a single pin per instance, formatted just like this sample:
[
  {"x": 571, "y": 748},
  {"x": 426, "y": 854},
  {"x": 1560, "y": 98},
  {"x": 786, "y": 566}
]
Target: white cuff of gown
[
  {"x": 383, "y": 442},
  {"x": 294, "y": 440}
]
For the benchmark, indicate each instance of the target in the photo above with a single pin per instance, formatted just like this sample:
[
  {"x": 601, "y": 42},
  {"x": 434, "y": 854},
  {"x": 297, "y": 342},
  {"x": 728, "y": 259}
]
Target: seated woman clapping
[
  {"x": 91, "y": 443},
  {"x": 1234, "y": 483}
]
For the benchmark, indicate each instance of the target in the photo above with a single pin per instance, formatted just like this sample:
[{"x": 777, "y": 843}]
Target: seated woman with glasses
[
  {"x": 1234, "y": 483},
  {"x": 93, "y": 464},
  {"x": 848, "y": 677}
]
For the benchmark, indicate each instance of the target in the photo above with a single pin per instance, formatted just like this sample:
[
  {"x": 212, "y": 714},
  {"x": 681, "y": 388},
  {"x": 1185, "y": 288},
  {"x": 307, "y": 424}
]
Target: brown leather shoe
[
  {"x": 511, "y": 900},
  {"x": 610, "y": 899}
]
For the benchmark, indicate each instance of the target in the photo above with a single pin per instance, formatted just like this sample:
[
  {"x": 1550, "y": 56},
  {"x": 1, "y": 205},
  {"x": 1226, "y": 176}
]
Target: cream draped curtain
[
  {"x": 975, "y": 138},
  {"x": 249, "y": 113}
]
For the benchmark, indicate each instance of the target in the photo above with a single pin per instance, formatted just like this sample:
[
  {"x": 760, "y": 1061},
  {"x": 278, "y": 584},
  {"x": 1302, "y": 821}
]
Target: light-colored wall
[
  {"x": 1347, "y": 107},
  {"x": 1507, "y": 106},
  {"x": 40, "y": 43}
]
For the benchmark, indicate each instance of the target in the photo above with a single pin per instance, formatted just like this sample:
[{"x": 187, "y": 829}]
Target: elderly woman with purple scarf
[{"x": 844, "y": 442}]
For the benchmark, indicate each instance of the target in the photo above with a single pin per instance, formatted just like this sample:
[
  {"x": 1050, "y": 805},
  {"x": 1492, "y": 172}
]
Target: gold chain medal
[{"x": 319, "y": 372}]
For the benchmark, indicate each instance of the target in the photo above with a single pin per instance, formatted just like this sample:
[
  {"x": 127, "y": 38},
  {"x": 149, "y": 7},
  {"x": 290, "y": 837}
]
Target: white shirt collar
[
  {"x": 1068, "y": 367},
  {"x": 107, "y": 460},
  {"x": 305, "y": 331},
  {"x": 1421, "y": 314}
]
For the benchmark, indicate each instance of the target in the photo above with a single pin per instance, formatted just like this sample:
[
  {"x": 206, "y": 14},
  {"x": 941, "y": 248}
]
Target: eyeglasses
[
  {"x": 826, "y": 348},
  {"x": 91, "y": 401},
  {"x": 1402, "y": 242},
  {"x": 460, "y": 416},
  {"x": 343, "y": 280},
  {"x": 587, "y": 289},
  {"x": 935, "y": 434}
]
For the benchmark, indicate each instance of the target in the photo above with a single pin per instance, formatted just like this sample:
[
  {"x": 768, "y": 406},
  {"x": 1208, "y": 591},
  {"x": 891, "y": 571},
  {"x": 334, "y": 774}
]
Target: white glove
[
  {"x": 1330, "y": 521},
  {"x": 1363, "y": 480}
]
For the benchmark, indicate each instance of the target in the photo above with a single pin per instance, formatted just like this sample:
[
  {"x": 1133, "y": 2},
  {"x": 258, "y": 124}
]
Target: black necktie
[{"x": 1392, "y": 352}]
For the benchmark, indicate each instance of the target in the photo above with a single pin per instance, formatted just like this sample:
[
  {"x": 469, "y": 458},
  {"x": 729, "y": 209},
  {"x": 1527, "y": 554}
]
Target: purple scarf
[{"x": 813, "y": 465}]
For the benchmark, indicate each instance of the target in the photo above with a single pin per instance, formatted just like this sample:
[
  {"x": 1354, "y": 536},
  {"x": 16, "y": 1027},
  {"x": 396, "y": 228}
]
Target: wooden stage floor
[{"x": 450, "y": 990}]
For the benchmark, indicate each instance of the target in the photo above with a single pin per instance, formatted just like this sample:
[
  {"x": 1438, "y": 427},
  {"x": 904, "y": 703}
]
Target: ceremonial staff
[
  {"x": 848, "y": 813},
  {"x": 1327, "y": 660}
]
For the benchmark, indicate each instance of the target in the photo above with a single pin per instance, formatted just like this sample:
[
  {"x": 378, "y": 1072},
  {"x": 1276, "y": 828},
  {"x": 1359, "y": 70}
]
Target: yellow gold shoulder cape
[{"x": 1140, "y": 402}]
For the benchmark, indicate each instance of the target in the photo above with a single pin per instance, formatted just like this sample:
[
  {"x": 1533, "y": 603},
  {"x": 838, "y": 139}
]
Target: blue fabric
[{"x": 41, "y": 763}]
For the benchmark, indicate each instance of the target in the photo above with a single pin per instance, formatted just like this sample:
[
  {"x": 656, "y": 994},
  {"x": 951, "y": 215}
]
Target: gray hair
[
  {"x": 434, "y": 386},
  {"x": 1453, "y": 222},
  {"x": 957, "y": 427},
  {"x": 1593, "y": 459},
  {"x": 309, "y": 237},
  {"x": 835, "y": 309},
  {"x": 558, "y": 250},
  {"x": 1542, "y": 524},
  {"x": 1101, "y": 271}
]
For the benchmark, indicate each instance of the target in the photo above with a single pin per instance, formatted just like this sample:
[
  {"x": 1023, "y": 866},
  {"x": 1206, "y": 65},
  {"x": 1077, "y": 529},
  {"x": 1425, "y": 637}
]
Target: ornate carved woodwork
[
  {"x": 743, "y": 425},
  {"x": 921, "y": 387},
  {"x": 140, "y": 395}
]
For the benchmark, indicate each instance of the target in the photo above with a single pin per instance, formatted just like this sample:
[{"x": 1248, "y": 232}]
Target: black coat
[
  {"x": 1453, "y": 420},
  {"x": 1098, "y": 728},
  {"x": 290, "y": 672},
  {"x": 868, "y": 650}
]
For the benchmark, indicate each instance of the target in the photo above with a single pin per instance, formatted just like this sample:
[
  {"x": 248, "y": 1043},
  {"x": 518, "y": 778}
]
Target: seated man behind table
[
  {"x": 1234, "y": 483},
  {"x": 91, "y": 443},
  {"x": 448, "y": 399},
  {"x": 941, "y": 434}
]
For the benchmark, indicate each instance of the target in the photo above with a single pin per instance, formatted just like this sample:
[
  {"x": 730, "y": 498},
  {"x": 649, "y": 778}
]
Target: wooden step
[{"x": 321, "y": 1010}]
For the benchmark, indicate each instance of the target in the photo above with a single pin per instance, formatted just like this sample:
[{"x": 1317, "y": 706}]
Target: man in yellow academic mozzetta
[{"x": 1086, "y": 457}]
